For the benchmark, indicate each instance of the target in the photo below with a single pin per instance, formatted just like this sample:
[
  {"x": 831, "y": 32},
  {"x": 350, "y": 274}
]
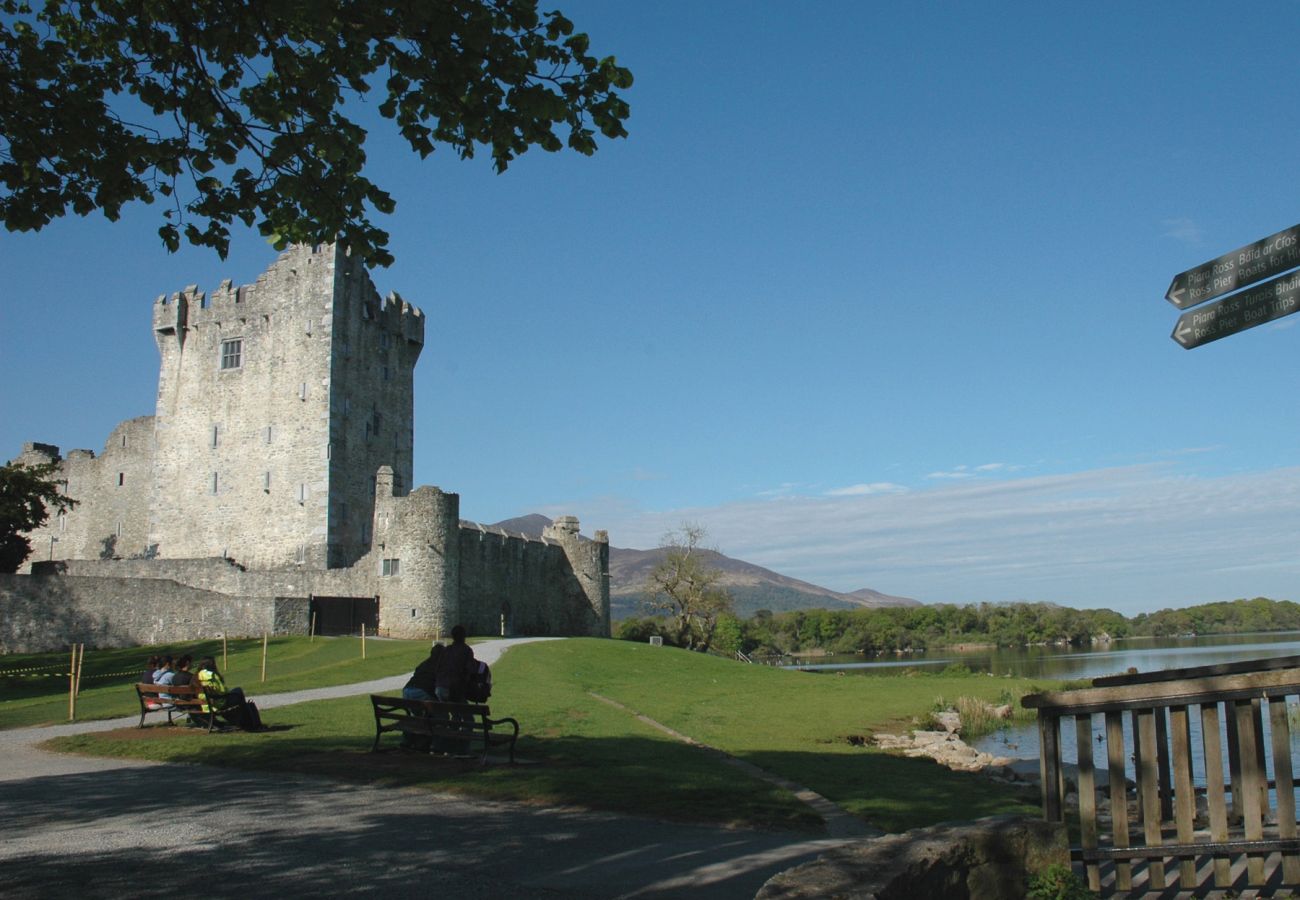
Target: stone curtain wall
[
  {"x": 532, "y": 583},
  {"x": 112, "y": 493},
  {"x": 45, "y": 613}
]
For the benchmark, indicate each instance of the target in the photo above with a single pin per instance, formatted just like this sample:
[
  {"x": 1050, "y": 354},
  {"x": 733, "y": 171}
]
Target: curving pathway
[{"x": 90, "y": 828}]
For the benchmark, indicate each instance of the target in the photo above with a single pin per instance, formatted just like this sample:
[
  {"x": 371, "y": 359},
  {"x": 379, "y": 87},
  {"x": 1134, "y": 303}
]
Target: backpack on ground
[{"x": 480, "y": 683}]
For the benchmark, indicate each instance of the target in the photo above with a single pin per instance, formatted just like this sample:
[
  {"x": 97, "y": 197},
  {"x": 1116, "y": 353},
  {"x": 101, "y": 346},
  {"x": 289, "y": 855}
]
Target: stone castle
[{"x": 273, "y": 483}]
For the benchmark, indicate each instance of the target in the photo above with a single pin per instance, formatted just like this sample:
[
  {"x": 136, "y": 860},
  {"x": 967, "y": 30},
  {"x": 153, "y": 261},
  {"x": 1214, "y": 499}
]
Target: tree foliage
[
  {"x": 226, "y": 109},
  {"x": 27, "y": 494},
  {"x": 1004, "y": 624},
  {"x": 687, "y": 587}
]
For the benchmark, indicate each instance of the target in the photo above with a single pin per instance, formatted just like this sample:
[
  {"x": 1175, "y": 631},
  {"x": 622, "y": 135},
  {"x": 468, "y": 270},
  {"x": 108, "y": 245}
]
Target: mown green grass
[
  {"x": 584, "y": 752},
  {"x": 293, "y": 663}
]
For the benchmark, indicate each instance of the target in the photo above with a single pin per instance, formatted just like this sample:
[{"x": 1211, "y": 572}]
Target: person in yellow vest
[{"x": 231, "y": 704}]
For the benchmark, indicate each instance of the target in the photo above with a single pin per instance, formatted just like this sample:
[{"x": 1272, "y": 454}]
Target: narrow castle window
[
  {"x": 386, "y": 373},
  {"x": 266, "y": 482},
  {"x": 214, "y": 482},
  {"x": 121, "y": 478},
  {"x": 215, "y": 438},
  {"x": 374, "y": 429},
  {"x": 232, "y": 354},
  {"x": 119, "y": 528},
  {"x": 302, "y": 493},
  {"x": 302, "y": 554},
  {"x": 123, "y": 440},
  {"x": 302, "y": 391},
  {"x": 391, "y": 567},
  {"x": 266, "y": 435}
]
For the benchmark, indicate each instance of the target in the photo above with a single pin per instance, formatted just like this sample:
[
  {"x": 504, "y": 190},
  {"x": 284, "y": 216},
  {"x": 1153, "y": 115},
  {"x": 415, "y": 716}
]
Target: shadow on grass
[
  {"x": 659, "y": 778},
  {"x": 184, "y": 830},
  {"x": 897, "y": 793}
]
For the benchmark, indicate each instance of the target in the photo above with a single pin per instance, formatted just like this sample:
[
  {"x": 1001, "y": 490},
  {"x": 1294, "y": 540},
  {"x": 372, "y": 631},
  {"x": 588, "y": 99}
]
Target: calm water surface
[{"x": 1145, "y": 655}]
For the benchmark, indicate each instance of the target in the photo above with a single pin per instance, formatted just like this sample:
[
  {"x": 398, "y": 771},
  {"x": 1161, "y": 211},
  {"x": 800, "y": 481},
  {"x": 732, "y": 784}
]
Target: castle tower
[{"x": 277, "y": 403}]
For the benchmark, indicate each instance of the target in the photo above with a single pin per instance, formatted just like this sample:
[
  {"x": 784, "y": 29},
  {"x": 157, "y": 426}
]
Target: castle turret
[{"x": 416, "y": 558}]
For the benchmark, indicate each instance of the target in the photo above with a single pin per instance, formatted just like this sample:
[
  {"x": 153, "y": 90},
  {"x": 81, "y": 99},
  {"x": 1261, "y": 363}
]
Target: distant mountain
[
  {"x": 752, "y": 587},
  {"x": 530, "y": 525}
]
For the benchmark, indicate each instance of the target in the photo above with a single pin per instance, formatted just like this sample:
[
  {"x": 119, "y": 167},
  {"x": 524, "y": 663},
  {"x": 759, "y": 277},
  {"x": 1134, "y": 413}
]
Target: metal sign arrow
[
  {"x": 1245, "y": 265},
  {"x": 1262, "y": 303}
]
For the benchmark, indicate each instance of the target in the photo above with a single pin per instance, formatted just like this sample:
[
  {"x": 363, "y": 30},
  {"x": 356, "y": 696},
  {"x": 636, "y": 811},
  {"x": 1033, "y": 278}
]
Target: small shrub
[{"x": 1058, "y": 882}]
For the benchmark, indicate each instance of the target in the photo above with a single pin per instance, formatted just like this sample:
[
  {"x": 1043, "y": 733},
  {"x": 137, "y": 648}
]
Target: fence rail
[{"x": 1228, "y": 705}]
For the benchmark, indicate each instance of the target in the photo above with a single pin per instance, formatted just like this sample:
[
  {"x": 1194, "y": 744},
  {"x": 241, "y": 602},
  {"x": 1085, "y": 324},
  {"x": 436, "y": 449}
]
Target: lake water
[{"x": 1143, "y": 654}]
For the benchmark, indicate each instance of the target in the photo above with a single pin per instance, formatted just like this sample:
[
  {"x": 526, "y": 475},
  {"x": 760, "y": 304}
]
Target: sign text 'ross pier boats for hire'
[
  {"x": 1263, "y": 259},
  {"x": 1242, "y": 267}
]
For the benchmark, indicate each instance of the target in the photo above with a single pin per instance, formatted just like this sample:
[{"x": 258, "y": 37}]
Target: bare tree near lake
[{"x": 687, "y": 586}]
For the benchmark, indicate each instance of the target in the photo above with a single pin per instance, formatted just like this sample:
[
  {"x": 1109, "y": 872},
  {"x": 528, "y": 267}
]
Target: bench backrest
[
  {"x": 384, "y": 704},
  {"x": 184, "y": 693}
]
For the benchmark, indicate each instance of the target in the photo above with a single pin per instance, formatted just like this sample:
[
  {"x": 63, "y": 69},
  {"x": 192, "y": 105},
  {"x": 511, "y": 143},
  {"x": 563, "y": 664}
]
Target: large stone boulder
[{"x": 988, "y": 859}]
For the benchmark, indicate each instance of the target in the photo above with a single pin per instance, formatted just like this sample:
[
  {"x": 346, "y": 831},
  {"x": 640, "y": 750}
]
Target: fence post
[
  {"x": 264, "y": 656},
  {"x": 72, "y": 685},
  {"x": 81, "y": 662}
]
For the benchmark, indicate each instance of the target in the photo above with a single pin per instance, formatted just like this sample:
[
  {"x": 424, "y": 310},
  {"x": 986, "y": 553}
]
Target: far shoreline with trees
[{"x": 902, "y": 629}]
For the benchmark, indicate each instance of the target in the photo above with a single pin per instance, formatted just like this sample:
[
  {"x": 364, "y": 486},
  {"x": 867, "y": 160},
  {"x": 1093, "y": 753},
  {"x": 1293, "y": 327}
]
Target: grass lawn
[
  {"x": 585, "y": 752},
  {"x": 34, "y": 687}
]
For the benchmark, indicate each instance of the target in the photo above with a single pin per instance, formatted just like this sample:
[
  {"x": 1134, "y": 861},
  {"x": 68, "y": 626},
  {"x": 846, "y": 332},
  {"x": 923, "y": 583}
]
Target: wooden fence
[{"x": 1228, "y": 706}]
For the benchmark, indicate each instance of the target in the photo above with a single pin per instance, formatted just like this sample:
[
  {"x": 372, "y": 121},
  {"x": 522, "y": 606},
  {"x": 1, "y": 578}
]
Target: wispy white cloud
[
  {"x": 1132, "y": 538},
  {"x": 1182, "y": 229},
  {"x": 781, "y": 490},
  {"x": 972, "y": 471},
  {"x": 861, "y": 490}
]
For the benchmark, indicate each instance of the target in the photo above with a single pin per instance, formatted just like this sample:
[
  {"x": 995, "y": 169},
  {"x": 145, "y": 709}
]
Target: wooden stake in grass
[
  {"x": 72, "y": 685},
  {"x": 311, "y": 632},
  {"x": 264, "y": 656},
  {"x": 81, "y": 663},
  {"x": 363, "y": 640}
]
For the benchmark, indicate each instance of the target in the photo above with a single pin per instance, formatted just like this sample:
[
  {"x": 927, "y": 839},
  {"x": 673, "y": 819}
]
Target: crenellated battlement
[{"x": 300, "y": 276}]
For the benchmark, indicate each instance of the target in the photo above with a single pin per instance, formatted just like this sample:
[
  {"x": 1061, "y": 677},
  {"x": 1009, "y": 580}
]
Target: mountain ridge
[{"x": 752, "y": 586}]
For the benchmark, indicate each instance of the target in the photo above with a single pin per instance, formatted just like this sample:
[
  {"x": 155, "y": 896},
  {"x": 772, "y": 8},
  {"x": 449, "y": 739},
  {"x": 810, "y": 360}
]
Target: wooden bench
[
  {"x": 447, "y": 721},
  {"x": 174, "y": 699}
]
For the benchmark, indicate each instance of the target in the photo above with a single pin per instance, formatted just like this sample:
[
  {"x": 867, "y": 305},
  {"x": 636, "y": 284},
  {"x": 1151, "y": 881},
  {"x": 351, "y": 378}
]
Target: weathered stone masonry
[{"x": 278, "y": 467}]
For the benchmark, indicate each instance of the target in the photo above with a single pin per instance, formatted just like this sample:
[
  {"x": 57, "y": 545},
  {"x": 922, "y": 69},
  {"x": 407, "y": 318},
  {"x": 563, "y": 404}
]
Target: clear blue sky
[{"x": 873, "y": 292}]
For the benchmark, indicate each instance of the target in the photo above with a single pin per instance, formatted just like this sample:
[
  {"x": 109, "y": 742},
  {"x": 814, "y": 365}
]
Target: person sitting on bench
[
  {"x": 421, "y": 687},
  {"x": 232, "y": 705}
]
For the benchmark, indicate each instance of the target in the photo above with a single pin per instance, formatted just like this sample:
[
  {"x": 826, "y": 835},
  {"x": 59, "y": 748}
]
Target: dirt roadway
[{"x": 90, "y": 828}]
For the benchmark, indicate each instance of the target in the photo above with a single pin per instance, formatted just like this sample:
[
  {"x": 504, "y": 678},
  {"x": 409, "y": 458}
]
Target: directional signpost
[
  {"x": 1245, "y": 266},
  {"x": 1262, "y": 303}
]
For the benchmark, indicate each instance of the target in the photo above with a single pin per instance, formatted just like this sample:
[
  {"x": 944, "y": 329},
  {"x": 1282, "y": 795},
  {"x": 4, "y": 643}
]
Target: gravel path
[{"x": 91, "y": 828}]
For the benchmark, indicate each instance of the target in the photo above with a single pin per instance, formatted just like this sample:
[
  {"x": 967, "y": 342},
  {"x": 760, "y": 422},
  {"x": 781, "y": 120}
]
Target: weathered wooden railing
[{"x": 1163, "y": 708}]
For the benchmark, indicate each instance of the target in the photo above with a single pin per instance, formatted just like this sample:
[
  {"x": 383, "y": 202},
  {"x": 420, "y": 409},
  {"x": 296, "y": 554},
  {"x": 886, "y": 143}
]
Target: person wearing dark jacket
[
  {"x": 421, "y": 686},
  {"x": 454, "y": 669}
]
